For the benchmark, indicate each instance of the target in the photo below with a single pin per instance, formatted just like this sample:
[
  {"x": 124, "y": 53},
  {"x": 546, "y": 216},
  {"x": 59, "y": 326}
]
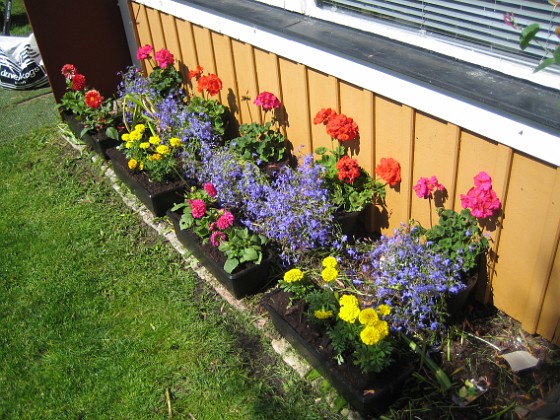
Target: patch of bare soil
[{"x": 485, "y": 386}]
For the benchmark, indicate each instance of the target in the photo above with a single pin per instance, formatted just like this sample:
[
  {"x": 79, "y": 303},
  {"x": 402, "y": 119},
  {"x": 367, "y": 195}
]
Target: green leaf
[
  {"x": 230, "y": 265},
  {"x": 250, "y": 254},
  {"x": 112, "y": 133},
  {"x": 547, "y": 62},
  {"x": 528, "y": 34}
]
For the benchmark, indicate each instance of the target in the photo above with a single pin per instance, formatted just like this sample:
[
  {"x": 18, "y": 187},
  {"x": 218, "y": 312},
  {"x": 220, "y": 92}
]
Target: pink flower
[
  {"x": 483, "y": 180},
  {"x": 217, "y": 237},
  {"x": 198, "y": 208},
  {"x": 164, "y": 58},
  {"x": 210, "y": 189},
  {"x": 144, "y": 52},
  {"x": 481, "y": 199},
  {"x": 509, "y": 19},
  {"x": 225, "y": 220},
  {"x": 425, "y": 187},
  {"x": 267, "y": 100},
  {"x": 483, "y": 203}
]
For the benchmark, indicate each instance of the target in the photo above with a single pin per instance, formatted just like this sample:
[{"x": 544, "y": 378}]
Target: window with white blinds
[{"x": 478, "y": 24}]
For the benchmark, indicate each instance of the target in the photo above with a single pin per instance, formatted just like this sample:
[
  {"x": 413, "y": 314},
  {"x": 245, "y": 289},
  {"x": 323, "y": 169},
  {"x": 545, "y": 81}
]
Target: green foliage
[
  {"x": 100, "y": 317},
  {"x": 242, "y": 246},
  {"x": 458, "y": 236},
  {"x": 200, "y": 226},
  {"x": 344, "y": 336},
  {"x": 260, "y": 143},
  {"x": 373, "y": 358},
  {"x": 323, "y": 300},
  {"x": 106, "y": 117},
  {"x": 73, "y": 101},
  {"x": 165, "y": 80},
  {"x": 527, "y": 35},
  {"x": 344, "y": 196}
]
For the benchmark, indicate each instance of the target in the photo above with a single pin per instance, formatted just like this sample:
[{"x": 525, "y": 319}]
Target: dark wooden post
[{"x": 88, "y": 34}]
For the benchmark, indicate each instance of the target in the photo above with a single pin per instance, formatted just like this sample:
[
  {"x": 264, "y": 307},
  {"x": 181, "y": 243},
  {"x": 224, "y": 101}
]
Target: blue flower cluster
[
  {"x": 293, "y": 210},
  {"x": 413, "y": 280}
]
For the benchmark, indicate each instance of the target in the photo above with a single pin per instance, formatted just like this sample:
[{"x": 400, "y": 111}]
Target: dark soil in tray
[
  {"x": 349, "y": 373},
  {"x": 467, "y": 354},
  {"x": 118, "y": 158}
]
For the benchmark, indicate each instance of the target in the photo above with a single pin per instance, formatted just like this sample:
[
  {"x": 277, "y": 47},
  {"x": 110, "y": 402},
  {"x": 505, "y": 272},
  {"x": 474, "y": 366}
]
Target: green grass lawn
[{"x": 100, "y": 319}]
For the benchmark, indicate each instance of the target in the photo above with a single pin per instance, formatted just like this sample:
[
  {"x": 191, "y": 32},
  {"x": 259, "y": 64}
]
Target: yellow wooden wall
[{"x": 524, "y": 263}]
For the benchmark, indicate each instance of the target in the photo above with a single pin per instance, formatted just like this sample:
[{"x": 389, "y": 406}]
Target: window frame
[
  {"x": 502, "y": 118},
  {"x": 439, "y": 45}
]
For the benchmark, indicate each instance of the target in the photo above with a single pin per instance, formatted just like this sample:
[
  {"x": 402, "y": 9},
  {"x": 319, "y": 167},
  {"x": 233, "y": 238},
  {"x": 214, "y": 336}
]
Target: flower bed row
[{"x": 243, "y": 199}]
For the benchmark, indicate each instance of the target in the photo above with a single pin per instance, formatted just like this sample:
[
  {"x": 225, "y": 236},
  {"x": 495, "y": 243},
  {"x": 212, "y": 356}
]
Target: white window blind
[{"x": 477, "y": 24}]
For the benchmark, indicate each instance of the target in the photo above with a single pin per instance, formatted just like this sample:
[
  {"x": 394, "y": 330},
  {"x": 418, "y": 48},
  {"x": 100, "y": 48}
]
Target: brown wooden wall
[{"x": 524, "y": 265}]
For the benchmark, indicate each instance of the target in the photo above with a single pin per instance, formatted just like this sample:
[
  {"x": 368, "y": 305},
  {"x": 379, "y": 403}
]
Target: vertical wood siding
[{"x": 524, "y": 262}]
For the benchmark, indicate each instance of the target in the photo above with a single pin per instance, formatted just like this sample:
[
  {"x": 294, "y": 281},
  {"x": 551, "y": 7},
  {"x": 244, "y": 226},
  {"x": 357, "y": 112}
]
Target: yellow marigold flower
[
  {"x": 125, "y": 137},
  {"x": 129, "y": 144},
  {"x": 349, "y": 313},
  {"x": 368, "y": 316},
  {"x": 144, "y": 145},
  {"x": 140, "y": 128},
  {"x": 329, "y": 274},
  {"x": 293, "y": 275},
  {"x": 132, "y": 163},
  {"x": 154, "y": 140},
  {"x": 384, "y": 310},
  {"x": 330, "y": 262},
  {"x": 383, "y": 328},
  {"x": 156, "y": 157},
  {"x": 349, "y": 300},
  {"x": 370, "y": 335},
  {"x": 322, "y": 314},
  {"x": 163, "y": 149},
  {"x": 135, "y": 135},
  {"x": 174, "y": 142}
]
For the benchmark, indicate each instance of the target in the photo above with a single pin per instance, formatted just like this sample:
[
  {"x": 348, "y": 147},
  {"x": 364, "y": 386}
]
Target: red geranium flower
[
  {"x": 348, "y": 169},
  {"x": 195, "y": 74},
  {"x": 267, "y": 100},
  {"x": 93, "y": 99},
  {"x": 342, "y": 128},
  {"x": 78, "y": 81},
  {"x": 144, "y": 52},
  {"x": 323, "y": 116},
  {"x": 164, "y": 58},
  {"x": 389, "y": 170},
  {"x": 211, "y": 83},
  {"x": 68, "y": 71}
]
